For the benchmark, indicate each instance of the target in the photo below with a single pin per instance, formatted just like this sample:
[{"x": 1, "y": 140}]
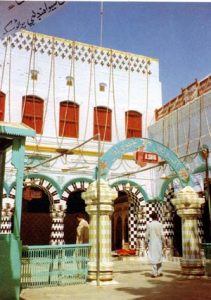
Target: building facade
[{"x": 68, "y": 92}]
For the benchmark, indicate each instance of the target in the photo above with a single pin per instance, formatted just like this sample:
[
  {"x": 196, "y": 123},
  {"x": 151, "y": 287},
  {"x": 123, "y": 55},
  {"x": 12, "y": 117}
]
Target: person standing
[
  {"x": 82, "y": 236},
  {"x": 155, "y": 241}
]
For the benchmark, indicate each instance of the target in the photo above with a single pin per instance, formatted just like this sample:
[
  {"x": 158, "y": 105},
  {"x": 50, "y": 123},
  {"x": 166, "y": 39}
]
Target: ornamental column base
[
  {"x": 192, "y": 267},
  {"x": 105, "y": 272}
]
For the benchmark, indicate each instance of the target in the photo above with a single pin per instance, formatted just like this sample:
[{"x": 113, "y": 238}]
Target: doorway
[
  {"x": 177, "y": 239},
  {"x": 120, "y": 222},
  {"x": 36, "y": 219},
  {"x": 75, "y": 204}
]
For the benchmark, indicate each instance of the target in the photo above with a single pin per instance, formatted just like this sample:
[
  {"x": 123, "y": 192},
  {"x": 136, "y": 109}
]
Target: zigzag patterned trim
[{"x": 73, "y": 187}]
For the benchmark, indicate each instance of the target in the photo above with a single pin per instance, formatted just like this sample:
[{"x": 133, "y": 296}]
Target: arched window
[
  {"x": 133, "y": 124},
  {"x": 69, "y": 119},
  {"x": 102, "y": 123},
  {"x": 32, "y": 110},
  {"x": 2, "y": 106}
]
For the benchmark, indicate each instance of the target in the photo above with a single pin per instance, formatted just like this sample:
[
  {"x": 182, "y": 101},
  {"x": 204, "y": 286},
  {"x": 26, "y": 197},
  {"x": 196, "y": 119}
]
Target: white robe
[{"x": 155, "y": 239}]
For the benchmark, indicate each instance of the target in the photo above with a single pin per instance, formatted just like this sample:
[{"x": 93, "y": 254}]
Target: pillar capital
[
  {"x": 58, "y": 210},
  {"x": 187, "y": 202},
  {"x": 107, "y": 194}
]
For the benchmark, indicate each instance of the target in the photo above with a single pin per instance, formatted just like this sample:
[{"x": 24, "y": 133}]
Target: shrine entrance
[
  {"x": 133, "y": 145},
  {"x": 125, "y": 216}
]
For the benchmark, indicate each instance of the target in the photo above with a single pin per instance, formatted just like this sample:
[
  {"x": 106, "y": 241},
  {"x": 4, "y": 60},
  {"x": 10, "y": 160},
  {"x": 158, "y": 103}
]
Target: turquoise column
[
  {"x": 18, "y": 162},
  {"x": 12, "y": 134},
  {"x": 10, "y": 244},
  {"x": 2, "y": 164}
]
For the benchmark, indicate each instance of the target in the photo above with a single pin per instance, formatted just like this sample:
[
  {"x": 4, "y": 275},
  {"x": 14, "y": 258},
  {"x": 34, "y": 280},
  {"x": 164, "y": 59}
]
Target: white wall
[{"x": 126, "y": 89}]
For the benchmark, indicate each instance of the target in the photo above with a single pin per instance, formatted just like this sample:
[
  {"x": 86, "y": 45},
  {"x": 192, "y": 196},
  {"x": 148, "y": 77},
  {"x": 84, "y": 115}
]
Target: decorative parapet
[
  {"x": 84, "y": 53},
  {"x": 188, "y": 94}
]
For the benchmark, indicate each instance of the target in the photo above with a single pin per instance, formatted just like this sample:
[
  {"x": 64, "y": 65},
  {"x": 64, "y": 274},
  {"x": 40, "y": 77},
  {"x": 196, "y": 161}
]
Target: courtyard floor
[{"x": 132, "y": 281}]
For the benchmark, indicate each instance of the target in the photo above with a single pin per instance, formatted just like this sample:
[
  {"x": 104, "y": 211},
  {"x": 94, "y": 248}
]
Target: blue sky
[{"x": 176, "y": 33}]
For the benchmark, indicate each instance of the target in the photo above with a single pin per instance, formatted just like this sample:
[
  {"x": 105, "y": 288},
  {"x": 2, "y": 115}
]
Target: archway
[
  {"x": 36, "y": 219},
  {"x": 71, "y": 194},
  {"x": 132, "y": 145},
  {"x": 149, "y": 145},
  {"x": 126, "y": 207},
  {"x": 40, "y": 193}
]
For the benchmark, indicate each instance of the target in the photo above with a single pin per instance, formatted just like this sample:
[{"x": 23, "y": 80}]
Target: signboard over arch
[{"x": 132, "y": 145}]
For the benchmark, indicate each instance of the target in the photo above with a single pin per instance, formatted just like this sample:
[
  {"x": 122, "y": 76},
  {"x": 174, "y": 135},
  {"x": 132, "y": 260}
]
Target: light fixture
[
  {"x": 69, "y": 80},
  {"x": 102, "y": 86},
  {"x": 34, "y": 74}
]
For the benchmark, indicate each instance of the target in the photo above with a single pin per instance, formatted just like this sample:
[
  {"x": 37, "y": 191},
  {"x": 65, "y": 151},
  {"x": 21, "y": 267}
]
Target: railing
[
  {"x": 195, "y": 89},
  {"x": 54, "y": 265}
]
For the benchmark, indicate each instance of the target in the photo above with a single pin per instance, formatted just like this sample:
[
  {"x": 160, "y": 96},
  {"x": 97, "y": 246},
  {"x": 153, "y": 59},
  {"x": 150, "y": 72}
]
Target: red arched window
[
  {"x": 69, "y": 119},
  {"x": 133, "y": 124},
  {"x": 32, "y": 110},
  {"x": 2, "y": 106},
  {"x": 102, "y": 123}
]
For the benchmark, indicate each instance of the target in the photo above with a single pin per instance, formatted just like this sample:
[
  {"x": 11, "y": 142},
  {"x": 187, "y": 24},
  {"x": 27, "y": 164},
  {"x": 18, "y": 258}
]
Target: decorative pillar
[
  {"x": 188, "y": 206},
  {"x": 141, "y": 226},
  {"x": 102, "y": 264},
  {"x": 57, "y": 227},
  {"x": 6, "y": 217}
]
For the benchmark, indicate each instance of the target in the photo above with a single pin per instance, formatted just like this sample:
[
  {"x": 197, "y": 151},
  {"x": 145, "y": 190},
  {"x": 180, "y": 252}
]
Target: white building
[{"x": 69, "y": 91}]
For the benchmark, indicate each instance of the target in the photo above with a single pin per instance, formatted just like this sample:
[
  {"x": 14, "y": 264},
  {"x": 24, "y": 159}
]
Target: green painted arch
[
  {"x": 133, "y": 184},
  {"x": 74, "y": 181},
  {"x": 164, "y": 187},
  {"x": 41, "y": 176},
  {"x": 132, "y": 145},
  {"x": 201, "y": 169}
]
